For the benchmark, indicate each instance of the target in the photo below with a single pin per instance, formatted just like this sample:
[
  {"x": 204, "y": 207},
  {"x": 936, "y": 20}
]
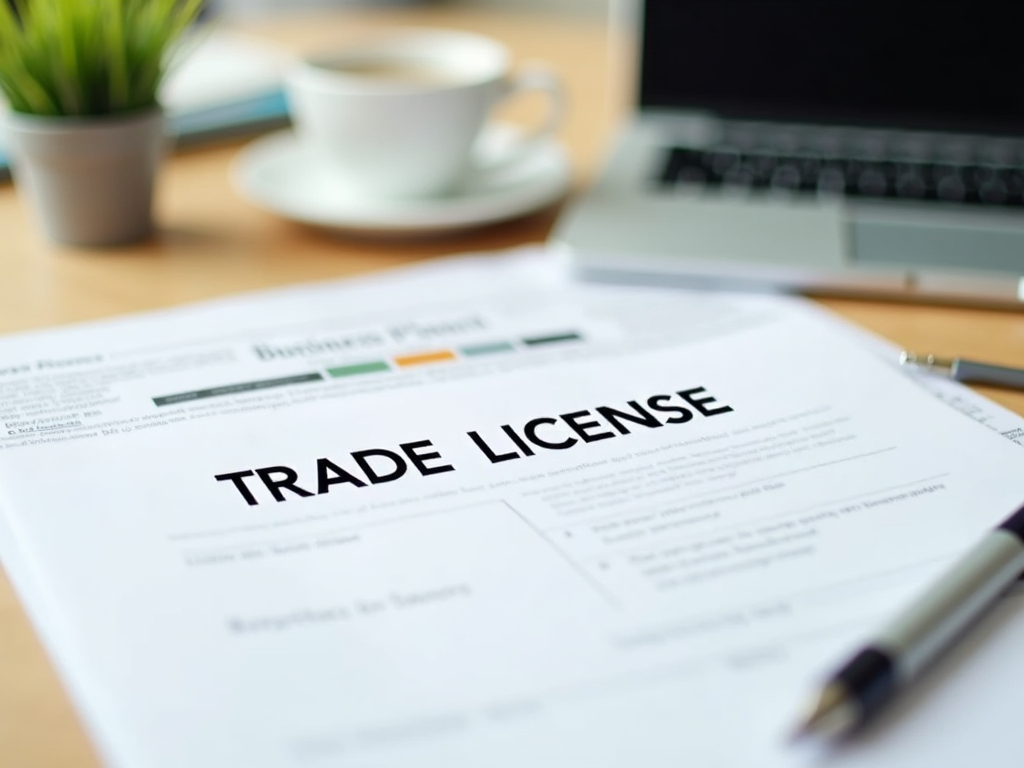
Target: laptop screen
[{"x": 929, "y": 65}]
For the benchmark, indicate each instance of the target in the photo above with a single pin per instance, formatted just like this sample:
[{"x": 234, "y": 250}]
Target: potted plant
[{"x": 83, "y": 124}]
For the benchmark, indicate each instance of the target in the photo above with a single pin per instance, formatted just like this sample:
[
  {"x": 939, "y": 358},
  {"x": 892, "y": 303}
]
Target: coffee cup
[{"x": 398, "y": 116}]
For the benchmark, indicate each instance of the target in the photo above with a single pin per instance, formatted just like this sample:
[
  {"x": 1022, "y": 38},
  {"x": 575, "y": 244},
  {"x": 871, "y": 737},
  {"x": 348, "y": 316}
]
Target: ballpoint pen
[
  {"x": 967, "y": 371},
  {"x": 898, "y": 654}
]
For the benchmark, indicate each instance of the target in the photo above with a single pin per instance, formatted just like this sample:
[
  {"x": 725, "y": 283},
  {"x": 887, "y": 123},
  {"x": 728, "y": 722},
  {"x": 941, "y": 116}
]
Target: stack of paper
[{"x": 472, "y": 515}]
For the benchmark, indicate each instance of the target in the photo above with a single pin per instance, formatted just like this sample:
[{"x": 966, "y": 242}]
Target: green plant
[{"x": 88, "y": 57}]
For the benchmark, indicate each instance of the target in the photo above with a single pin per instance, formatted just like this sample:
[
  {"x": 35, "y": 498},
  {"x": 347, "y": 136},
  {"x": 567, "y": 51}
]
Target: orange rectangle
[{"x": 424, "y": 358}]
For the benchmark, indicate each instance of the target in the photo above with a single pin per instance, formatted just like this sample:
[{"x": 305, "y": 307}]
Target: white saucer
[{"x": 514, "y": 177}]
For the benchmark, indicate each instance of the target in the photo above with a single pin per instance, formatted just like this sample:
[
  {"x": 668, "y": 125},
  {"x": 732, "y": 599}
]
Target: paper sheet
[
  {"x": 471, "y": 515},
  {"x": 218, "y": 67}
]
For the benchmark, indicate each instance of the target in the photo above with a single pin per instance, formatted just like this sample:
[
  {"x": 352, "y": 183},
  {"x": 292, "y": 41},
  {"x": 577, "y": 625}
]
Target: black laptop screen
[{"x": 935, "y": 65}]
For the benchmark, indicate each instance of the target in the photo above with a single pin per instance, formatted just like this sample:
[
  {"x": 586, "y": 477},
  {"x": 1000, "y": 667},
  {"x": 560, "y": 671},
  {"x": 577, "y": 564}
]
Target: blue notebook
[{"x": 255, "y": 114}]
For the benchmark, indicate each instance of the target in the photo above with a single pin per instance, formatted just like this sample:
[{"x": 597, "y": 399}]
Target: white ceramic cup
[{"x": 398, "y": 116}]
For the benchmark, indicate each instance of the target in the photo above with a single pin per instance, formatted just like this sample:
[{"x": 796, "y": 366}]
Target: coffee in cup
[{"x": 398, "y": 116}]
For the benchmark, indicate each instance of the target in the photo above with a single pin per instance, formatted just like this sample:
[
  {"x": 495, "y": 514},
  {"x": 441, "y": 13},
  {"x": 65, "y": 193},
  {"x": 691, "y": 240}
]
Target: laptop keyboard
[{"x": 982, "y": 183}]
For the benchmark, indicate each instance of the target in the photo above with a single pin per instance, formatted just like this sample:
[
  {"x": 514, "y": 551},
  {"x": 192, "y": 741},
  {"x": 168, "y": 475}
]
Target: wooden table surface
[{"x": 211, "y": 243}]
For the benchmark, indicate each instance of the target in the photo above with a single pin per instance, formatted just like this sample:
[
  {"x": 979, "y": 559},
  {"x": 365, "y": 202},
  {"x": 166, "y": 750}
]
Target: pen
[
  {"x": 968, "y": 371},
  {"x": 896, "y": 656}
]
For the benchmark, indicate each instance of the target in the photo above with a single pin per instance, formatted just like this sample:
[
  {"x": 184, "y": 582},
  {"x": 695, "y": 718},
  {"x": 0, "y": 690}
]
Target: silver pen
[
  {"x": 898, "y": 654},
  {"x": 967, "y": 371}
]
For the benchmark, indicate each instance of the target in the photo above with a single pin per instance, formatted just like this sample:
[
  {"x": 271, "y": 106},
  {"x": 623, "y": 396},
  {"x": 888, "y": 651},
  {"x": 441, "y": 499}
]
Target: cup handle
[
  {"x": 537, "y": 77},
  {"x": 534, "y": 77}
]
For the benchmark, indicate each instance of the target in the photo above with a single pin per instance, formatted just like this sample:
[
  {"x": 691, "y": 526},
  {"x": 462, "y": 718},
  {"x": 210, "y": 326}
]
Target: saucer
[{"x": 512, "y": 177}]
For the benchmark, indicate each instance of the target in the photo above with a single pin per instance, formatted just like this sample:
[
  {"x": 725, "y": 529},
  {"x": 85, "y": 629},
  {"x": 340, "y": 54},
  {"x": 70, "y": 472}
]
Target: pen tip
[{"x": 831, "y": 713}]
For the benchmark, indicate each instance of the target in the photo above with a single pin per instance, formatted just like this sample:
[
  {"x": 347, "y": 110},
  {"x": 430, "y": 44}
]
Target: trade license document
[{"x": 471, "y": 516}]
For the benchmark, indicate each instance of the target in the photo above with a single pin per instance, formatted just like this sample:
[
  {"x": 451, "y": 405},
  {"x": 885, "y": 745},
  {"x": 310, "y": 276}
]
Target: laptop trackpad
[{"x": 915, "y": 245}]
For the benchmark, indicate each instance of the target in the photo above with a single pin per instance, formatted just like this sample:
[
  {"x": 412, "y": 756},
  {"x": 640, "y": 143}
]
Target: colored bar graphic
[
  {"x": 425, "y": 358},
  {"x": 358, "y": 369},
  {"x": 487, "y": 349},
  {"x": 234, "y": 389},
  {"x": 536, "y": 341}
]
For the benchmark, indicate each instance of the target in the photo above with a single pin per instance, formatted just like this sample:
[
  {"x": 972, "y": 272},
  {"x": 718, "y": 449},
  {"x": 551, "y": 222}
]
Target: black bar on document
[
  {"x": 536, "y": 341},
  {"x": 234, "y": 389}
]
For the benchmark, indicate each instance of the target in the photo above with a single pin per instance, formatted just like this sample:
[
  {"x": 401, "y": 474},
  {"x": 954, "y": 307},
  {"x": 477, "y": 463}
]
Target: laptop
[{"x": 829, "y": 147}]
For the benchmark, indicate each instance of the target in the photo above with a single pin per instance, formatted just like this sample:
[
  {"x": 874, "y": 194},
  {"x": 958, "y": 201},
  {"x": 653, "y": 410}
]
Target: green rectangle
[
  {"x": 360, "y": 368},
  {"x": 487, "y": 349}
]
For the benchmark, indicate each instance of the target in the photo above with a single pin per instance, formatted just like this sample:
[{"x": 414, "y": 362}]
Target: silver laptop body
[{"x": 830, "y": 147}]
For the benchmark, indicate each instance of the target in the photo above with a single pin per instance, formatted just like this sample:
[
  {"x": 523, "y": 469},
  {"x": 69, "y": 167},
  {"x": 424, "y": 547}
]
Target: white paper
[
  {"x": 650, "y": 595},
  {"x": 217, "y": 67}
]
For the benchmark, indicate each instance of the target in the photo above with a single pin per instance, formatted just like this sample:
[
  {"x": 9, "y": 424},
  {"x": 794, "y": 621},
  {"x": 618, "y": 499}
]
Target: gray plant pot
[{"x": 89, "y": 180}]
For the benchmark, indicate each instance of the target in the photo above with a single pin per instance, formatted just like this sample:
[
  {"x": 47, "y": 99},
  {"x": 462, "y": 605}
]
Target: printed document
[{"x": 470, "y": 515}]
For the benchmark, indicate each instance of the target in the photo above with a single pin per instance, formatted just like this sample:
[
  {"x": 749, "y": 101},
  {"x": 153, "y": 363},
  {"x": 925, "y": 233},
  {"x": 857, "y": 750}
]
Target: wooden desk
[{"x": 211, "y": 243}]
